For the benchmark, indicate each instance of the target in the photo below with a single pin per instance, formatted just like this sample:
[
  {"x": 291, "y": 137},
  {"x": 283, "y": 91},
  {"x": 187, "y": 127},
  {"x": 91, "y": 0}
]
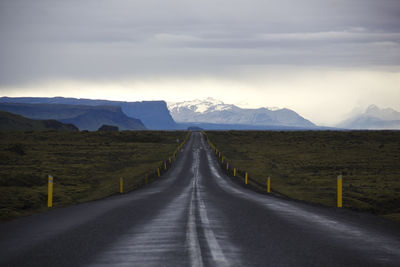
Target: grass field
[
  {"x": 85, "y": 165},
  {"x": 304, "y": 165}
]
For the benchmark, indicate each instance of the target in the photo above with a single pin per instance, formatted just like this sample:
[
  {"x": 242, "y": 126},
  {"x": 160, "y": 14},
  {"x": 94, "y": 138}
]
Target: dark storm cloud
[{"x": 51, "y": 39}]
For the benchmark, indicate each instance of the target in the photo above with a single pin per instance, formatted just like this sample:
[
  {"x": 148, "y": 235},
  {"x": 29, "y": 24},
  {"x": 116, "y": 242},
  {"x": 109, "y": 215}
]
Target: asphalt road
[{"x": 196, "y": 216}]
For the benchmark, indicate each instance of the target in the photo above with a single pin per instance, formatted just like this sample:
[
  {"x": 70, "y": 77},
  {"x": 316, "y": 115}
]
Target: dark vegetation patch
[
  {"x": 108, "y": 128},
  {"x": 85, "y": 165},
  {"x": 304, "y": 165}
]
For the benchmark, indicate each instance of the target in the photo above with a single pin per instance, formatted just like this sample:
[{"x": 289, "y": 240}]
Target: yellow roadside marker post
[
  {"x": 268, "y": 185},
  {"x": 165, "y": 165},
  {"x": 245, "y": 181},
  {"x": 234, "y": 172},
  {"x": 50, "y": 192},
  {"x": 227, "y": 166},
  {"x": 339, "y": 191},
  {"x": 158, "y": 172},
  {"x": 121, "y": 185}
]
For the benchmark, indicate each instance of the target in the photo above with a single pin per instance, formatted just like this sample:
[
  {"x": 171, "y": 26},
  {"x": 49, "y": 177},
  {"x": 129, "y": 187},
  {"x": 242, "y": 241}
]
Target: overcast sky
[{"x": 321, "y": 58}]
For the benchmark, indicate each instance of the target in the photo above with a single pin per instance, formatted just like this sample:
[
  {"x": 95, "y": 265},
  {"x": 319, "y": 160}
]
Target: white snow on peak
[
  {"x": 214, "y": 101},
  {"x": 200, "y": 106},
  {"x": 203, "y": 106}
]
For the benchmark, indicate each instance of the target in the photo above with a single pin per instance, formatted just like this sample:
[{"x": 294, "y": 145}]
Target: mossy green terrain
[
  {"x": 304, "y": 165},
  {"x": 85, "y": 165}
]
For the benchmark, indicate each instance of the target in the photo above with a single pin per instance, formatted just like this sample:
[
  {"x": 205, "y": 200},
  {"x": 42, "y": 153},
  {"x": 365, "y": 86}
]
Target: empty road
[{"x": 196, "y": 216}]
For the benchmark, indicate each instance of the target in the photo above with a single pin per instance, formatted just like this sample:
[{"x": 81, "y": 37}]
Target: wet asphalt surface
[{"x": 196, "y": 216}]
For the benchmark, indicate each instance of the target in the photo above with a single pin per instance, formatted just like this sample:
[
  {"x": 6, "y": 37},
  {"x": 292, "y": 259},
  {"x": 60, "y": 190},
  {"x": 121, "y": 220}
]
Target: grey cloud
[{"x": 88, "y": 39}]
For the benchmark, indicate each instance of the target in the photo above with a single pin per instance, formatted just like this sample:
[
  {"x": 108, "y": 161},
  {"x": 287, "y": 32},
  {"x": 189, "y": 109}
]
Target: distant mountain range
[
  {"x": 214, "y": 112},
  {"x": 83, "y": 117},
  {"x": 88, "y": 114},
  {"x": 13, "y": 122},
  {"x": 208, "y": 114},
  {"x": 153, "y": 114},
  {"x": 373, "y": 118}
]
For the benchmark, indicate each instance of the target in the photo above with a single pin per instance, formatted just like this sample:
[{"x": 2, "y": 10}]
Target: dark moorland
[
  {"x": 85, "y": 165},
  {"x": 304, "y": 165}
]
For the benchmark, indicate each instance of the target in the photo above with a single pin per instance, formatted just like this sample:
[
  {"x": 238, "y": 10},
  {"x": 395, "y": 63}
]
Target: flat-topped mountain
[{"x": 153, "y": 114}]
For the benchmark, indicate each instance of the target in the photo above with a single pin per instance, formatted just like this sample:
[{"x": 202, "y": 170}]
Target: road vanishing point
[{"x": 195, "y": 215}]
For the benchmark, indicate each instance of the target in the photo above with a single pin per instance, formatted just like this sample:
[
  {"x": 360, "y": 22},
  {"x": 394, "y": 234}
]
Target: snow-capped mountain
[
  {"x": 373, "y": 118},
  {"x": 214, "y": 111},
  {"x": 200, "y": 106}
]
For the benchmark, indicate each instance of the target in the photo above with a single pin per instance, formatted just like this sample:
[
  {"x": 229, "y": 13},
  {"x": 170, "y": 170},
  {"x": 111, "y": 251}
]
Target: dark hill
[
  {"x": 108, "y": 128},
  {"x": 154, "y": 114},
  {"x": 14, "y": 122},
  {"x": 84, "y": 117}
]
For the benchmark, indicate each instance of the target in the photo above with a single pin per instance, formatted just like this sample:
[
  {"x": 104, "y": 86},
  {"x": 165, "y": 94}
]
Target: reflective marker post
[
  {"x": 121, "y": 185},
  {"x": 50, "y": 192},
  {"x": 245, "y": 181},
  {"x": 339, "y": 191},
  {"x": 268, "y": 185}
]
